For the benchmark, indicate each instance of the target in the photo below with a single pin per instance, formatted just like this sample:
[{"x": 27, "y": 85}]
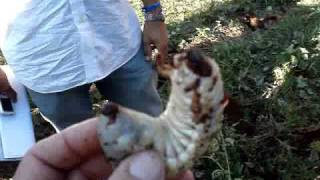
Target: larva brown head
[
  {"x": 110, "y": 110},
  {"x": 198, "y": 78},
  {"x": 198, "y": 63},
  {"x": 194, "y": 69}
]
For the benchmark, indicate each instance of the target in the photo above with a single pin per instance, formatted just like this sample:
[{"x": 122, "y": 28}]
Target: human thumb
[{"x": 146, "y": 165}]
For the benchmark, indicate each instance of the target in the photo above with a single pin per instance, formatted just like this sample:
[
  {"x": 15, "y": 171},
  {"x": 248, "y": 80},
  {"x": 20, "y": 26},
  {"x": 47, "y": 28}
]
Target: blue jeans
[{"x": 131, "y": 86}]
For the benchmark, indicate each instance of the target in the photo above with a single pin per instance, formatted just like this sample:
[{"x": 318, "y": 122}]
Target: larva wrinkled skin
[{"x": 182, "y": 132}]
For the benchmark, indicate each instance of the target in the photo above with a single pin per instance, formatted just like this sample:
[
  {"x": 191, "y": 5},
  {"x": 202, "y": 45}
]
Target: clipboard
[{"x": 16, "y": 131}]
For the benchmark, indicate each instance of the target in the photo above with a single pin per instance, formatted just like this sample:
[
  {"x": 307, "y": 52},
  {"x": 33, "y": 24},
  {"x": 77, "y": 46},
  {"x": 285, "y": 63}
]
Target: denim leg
[
  {"x": 65, "y": 108},
  {"x": 132, "y": 85}
]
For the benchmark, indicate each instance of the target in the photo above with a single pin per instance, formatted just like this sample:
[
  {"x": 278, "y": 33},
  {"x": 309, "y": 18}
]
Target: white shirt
[{"x": 55, "y": 45}]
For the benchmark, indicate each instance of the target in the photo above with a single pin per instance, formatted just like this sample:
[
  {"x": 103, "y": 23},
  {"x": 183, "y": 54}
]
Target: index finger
[
  {"x": 163, "y": 50},
  {"x": 70, "y": 147}
]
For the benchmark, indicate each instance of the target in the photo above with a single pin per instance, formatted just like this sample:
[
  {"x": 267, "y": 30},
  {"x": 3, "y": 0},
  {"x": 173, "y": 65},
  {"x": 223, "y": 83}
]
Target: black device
[{"x": 6, "y": 106}]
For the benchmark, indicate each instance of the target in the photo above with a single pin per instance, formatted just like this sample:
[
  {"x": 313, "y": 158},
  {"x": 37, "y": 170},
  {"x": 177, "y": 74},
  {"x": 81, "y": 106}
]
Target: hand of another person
[
  {"x": 5, "y": 87},
  {"x": 155, "y": 33},
  {"x": 75, "y": 154}
]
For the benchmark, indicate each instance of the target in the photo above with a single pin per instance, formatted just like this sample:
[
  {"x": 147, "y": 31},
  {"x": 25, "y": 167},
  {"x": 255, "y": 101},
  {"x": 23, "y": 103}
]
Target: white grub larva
[{"x": 193, "y": 115}]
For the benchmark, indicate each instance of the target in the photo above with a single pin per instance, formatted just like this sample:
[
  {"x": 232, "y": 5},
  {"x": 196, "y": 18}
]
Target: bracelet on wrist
[
  {"x": 151, "y": 7},
  {"x": 154, "y": 16},
  {"x": 153, "y": 12}
]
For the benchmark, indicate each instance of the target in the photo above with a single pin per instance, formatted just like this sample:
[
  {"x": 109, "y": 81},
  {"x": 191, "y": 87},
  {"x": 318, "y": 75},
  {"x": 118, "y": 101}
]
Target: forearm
[{"x": 149, "y": 2}]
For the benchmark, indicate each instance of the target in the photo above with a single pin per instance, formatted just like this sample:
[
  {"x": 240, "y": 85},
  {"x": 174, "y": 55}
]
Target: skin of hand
[
  {"x": 5, "y": 87},
  {"x": 155, "y": 33},
  {"x": 75, "y": 153}
]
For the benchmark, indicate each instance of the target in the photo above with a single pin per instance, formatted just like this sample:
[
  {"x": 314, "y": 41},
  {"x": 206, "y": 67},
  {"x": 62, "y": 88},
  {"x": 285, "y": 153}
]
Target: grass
[
  {"x": 275, "y": 76},
  {"x": 272, "y": 127},
  {"x": 272, "y": 75}
]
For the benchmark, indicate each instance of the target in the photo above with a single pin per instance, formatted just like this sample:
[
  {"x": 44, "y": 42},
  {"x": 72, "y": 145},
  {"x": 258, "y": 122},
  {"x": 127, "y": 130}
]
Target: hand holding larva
[{"x": 182, "y": 132}]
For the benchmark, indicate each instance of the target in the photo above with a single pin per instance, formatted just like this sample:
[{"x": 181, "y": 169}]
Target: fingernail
[{"x": 147, "y": 165}]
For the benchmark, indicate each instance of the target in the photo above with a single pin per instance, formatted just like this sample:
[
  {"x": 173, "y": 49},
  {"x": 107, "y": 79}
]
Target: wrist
[{"x": 154, "y": 17}]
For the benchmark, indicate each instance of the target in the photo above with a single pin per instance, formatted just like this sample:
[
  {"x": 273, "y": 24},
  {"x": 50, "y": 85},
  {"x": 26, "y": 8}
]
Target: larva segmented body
[{"x": 182, "y": 132}]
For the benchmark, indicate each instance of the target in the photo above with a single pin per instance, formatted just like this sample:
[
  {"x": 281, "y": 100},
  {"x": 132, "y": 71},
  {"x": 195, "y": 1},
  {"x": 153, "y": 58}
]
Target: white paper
[
  {"x": 1, "y": 151},
  {"x": 17, "y": 134}
]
